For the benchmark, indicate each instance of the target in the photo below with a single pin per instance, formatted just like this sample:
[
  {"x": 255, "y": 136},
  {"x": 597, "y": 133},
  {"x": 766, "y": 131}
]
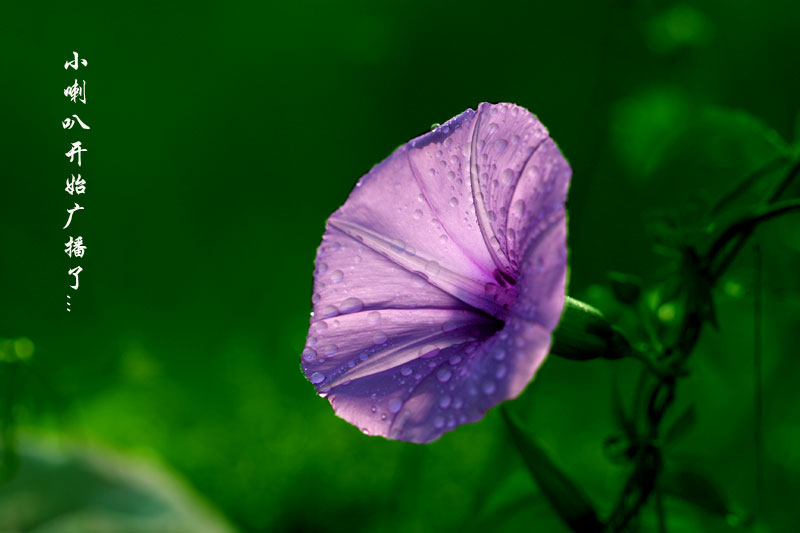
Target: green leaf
[
  {"x": 696, "y": 488},
  {"x": 721, "y": 147},
  {"x": 682, "y": 426},
  {"x": 583, "y": 333},
  {"x": 627, "y": 288},
  {"x": 567, "y": 499}
]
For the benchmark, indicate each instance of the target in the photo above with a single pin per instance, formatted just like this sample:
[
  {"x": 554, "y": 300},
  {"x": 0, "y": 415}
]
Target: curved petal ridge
[
  {"x": 459, "y": 286},
  {"x": 481, "y": 212}
]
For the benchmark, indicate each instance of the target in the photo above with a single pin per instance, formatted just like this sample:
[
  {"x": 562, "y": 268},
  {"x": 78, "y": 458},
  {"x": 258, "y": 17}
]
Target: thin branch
[{"x": 742, "y": 230}]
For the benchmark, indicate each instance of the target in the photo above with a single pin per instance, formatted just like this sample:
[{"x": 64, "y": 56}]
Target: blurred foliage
[{"x": 224, "y": 134}]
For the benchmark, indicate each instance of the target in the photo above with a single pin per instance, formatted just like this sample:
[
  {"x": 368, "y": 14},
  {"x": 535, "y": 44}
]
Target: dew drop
[
  {"x": 379, "y": 337},
  {"x": 499, "y": 355},
  {"x": 518, "y": 208},
  {"x": 329, "y": 311},
  {"x": 426, "y": 352},
  {"x": 500, "y": 373},
  {"x": 406, "y": 371},
  {"x": 488, "y": 387},
  {"x": 507, "y": 177},
  {"x": 443, "y": 239},
  {"x": 444, "y": 401},
  {"x": 351, "y": 305},
  {"x": 451, "y": 175},
  {"x": 323, "y": 267},
  {"x": 449, "y": 326},
  {"x": 500, "y": 145},
  {"x": 432, "y": 268},
  {"x": 418, "y": 281},
  {"x": 417, "y": 214},
  {"x": 453, "y": 201},
  {"x": 458, "y": 403},
  {"x": 329, "y": 350},
  {"x": 438, "y": 421},
  {"x": 492, "y": 128},
  {"x": 337, "y": 276},
  {"x": 309, "y": 354},
  {"x": 373, "y": 317},
  {"x": 317, "y": 378},
  {"x": 443, "y": 375},
  {"x": 395, "y": 404},
  {"x": 455, "y": 359}
]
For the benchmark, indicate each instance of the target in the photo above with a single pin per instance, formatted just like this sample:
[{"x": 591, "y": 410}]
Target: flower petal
[{"x": 434, "y": 295}]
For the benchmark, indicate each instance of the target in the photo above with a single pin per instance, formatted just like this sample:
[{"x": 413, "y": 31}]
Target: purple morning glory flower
[{"x": 439, "y": 282}]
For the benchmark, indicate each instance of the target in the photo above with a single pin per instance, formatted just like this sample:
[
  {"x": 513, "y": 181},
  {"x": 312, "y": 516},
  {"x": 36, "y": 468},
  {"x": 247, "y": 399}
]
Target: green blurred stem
[
  {"x": 743, "y": 229},
  {"x": 745, "y": 232}
]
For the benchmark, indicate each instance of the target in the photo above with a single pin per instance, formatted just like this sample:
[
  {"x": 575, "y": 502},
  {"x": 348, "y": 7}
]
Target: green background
[{"x": 222, "y": 136}]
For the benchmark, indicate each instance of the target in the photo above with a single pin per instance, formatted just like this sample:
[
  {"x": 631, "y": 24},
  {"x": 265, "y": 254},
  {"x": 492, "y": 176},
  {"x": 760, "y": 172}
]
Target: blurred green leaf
[
  {"x": 583, "y": 333},
  {"x": 685, "y": 422},
  {"x": 696, "y": 488},
  {"x": 720, "y": 147},
  {"x": 564, "y": 495},
  {"x": 621, "y": 418},
  {"x": 627, "y": 288},
  {"x": 77, "y": 488}
]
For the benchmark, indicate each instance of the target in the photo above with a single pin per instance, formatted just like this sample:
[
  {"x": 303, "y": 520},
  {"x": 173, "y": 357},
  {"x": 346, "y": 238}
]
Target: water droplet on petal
[
  {"x": 492, "y": 128},
  {"x": 500, "y": 145},
  {"x": 351, "y": 305},
  {"x": 499, "y": 355},
  {"x": 444, "y": 401},
  {"x": 432, "y": 268},
  {"x": 379, "y": 337},
  {"x": 337, "y": 276},
  {"x": 323, "y": 267},
  {"x": 317, "y": 378},
  {"x": 507, "y": 177},
  {"x": 395, "y": 404},
  {"x": 455, "y": 359},
  {"x": 443, "y": 239},
  {"x": 406, "y": 371},
  {"x": 518, "y": 208},
  {"x": 426, "y": 352},
  {"x": 417, "y": 214},
  {"x": 488, "y": 387},
  {"x": 500, "y": 372},
  {"x": 443, "y": 375},
  {"x": 329, "y": 350},
  {"x": 373, "y": 317},
  {"x": 453, "y": 201},
  {"x": 328, "y": 311},
  {"x": 309, "y": 354},
  {"x": 438, "y": 421}
]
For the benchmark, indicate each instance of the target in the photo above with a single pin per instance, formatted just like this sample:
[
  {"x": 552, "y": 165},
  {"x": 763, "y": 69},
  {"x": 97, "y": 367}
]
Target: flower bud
[{"x": 583, "y": 333}]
